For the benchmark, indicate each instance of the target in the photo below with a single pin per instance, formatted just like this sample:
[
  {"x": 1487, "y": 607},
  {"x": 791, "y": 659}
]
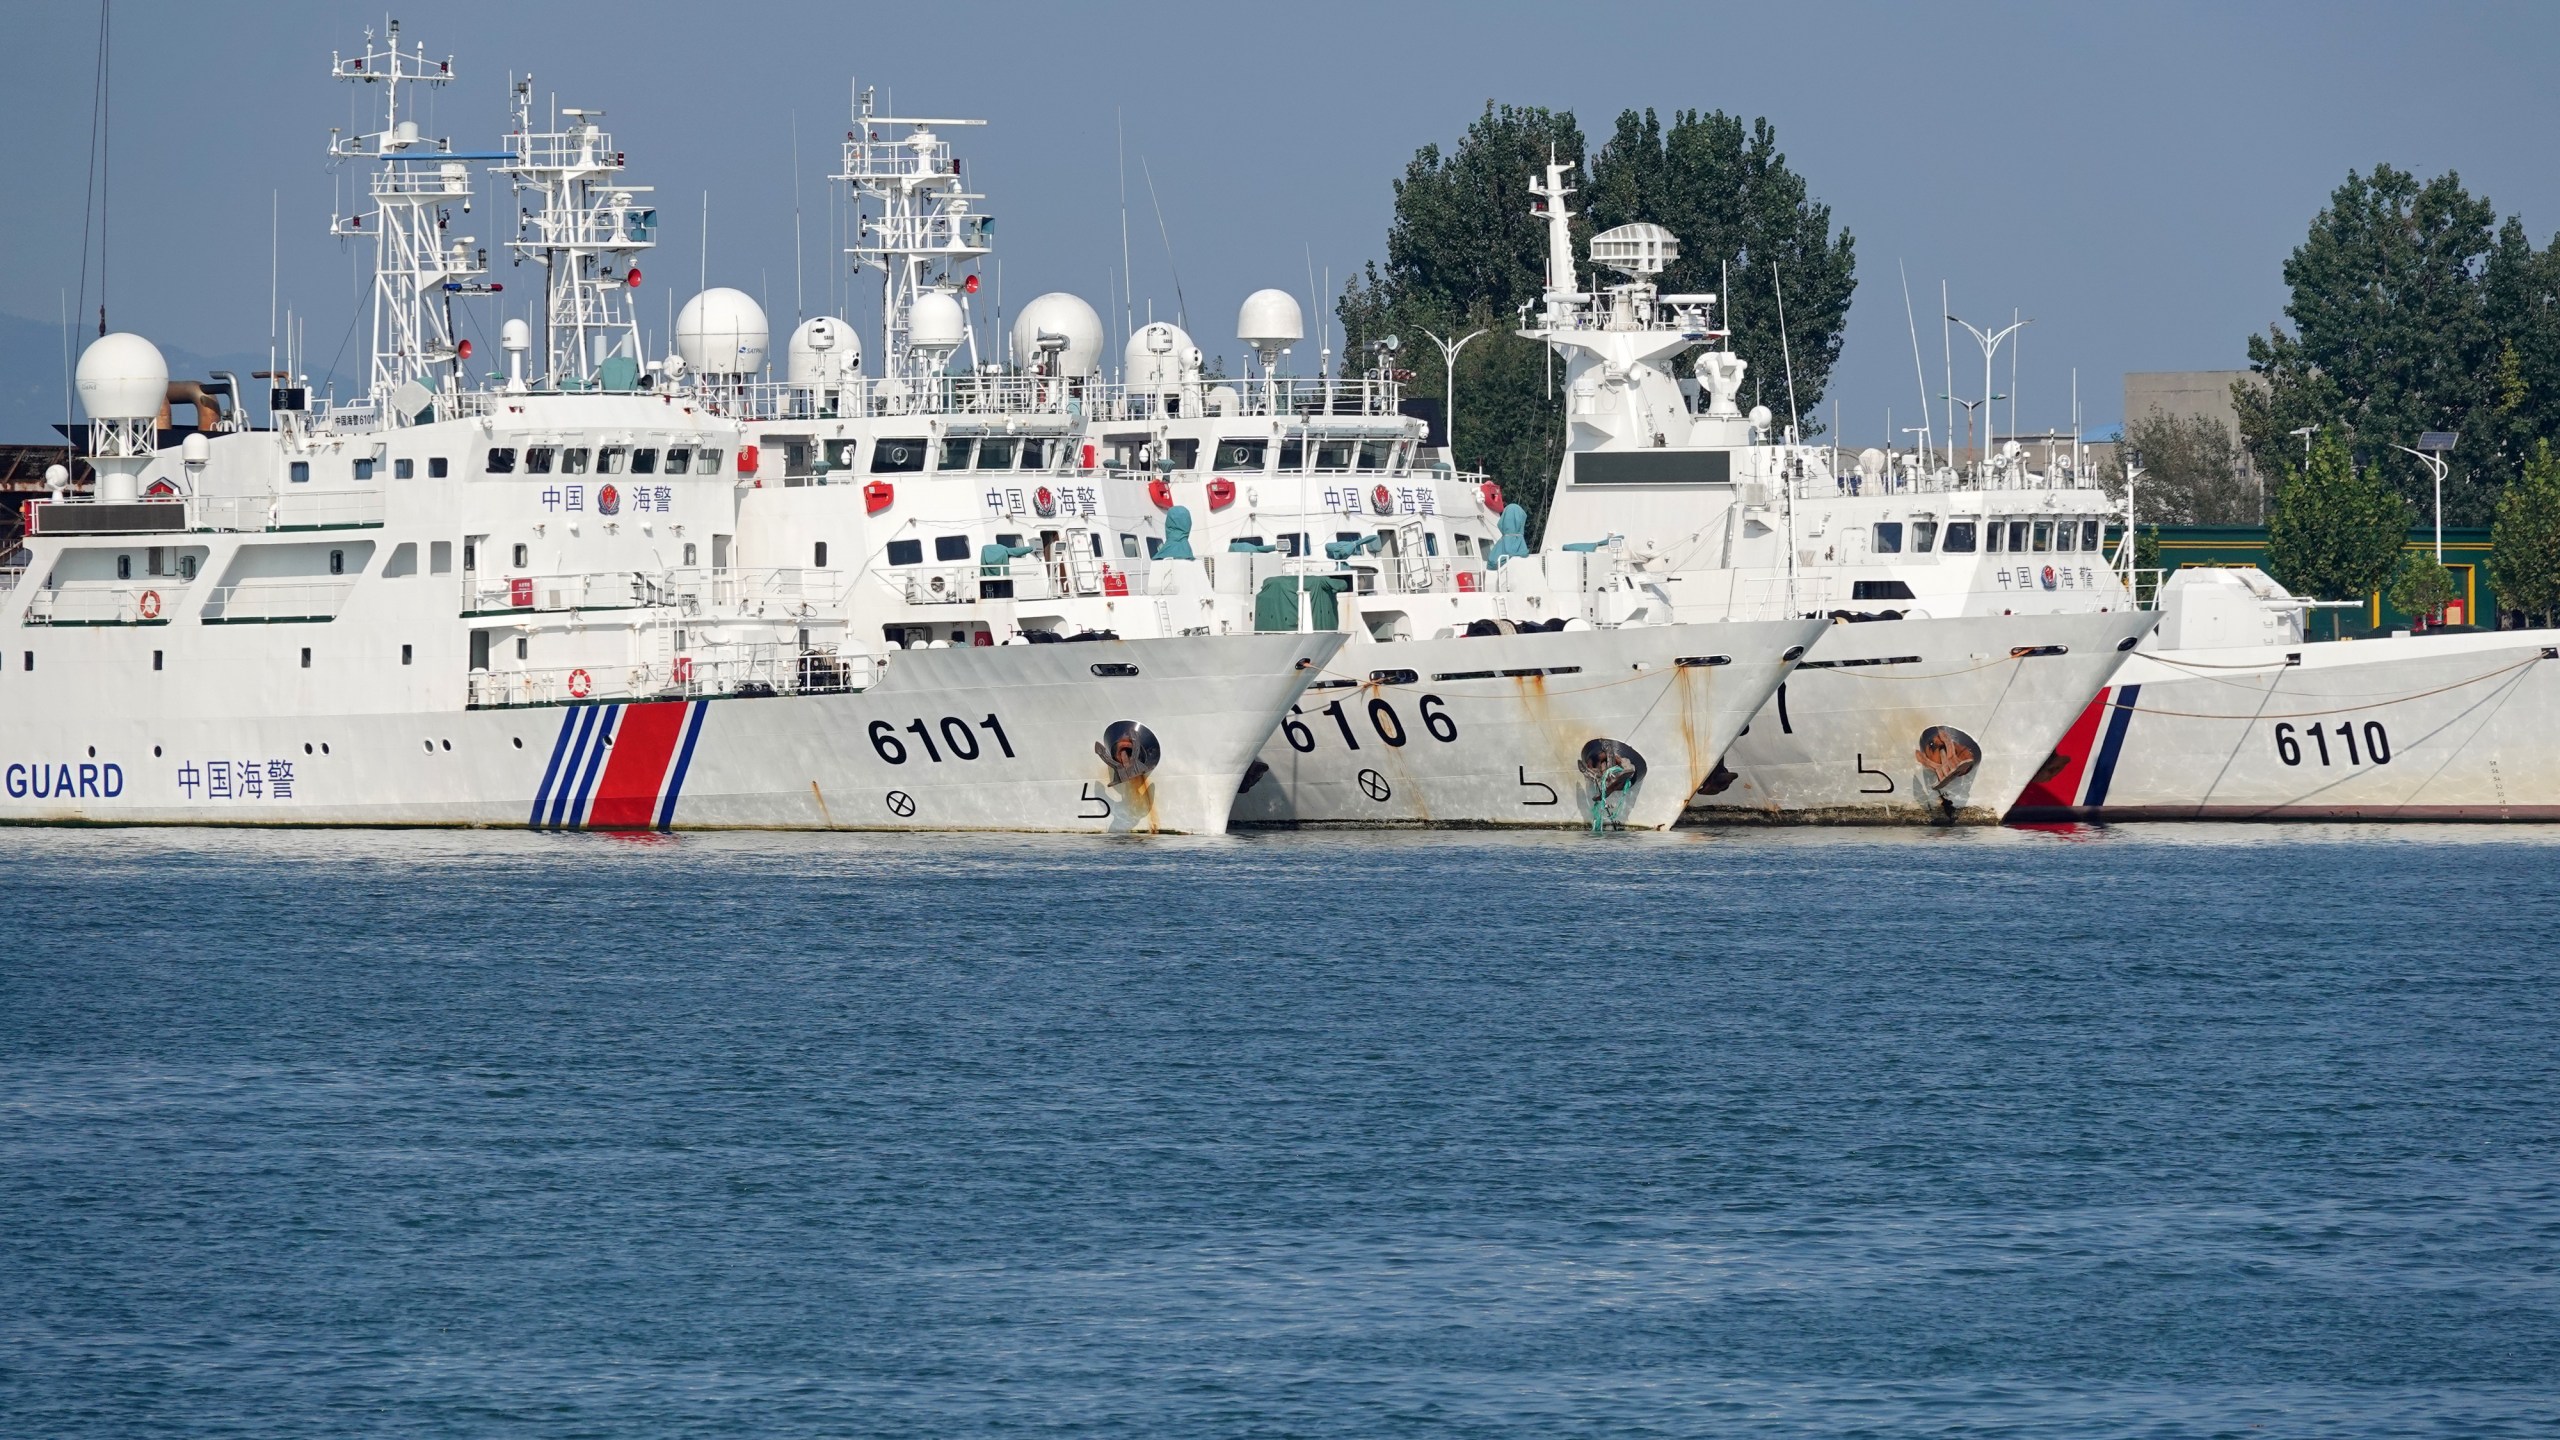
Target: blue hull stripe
[
  {"x": 2104, "y": 773},
  {"x": 595, "y": 762},
  {"x": 551, "y": 773},
  {"x": 684, "y": 761},
  {"x": 585, "y": 719}
]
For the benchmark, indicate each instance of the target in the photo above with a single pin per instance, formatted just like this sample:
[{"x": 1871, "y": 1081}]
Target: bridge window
[
  {"x": 1924, "y": 536},
  {"x": 897, "y": 457},
  {"x": 2018, "y": 537},
  {"x": 538, "y": 459},
  {"x": 997, "y": 454},
  {"x": 951, "y": 547},
  {"x": 707, "y": 462},
  {"x": 2043, "y": 535},
  {"x": 1888, "y": 537},
  {"x": 955, "y": 454},
  {"x": 1293, "y": 456},
  {"x": 1374, "y": 454},
  {"x": 1185, "y": 454},
  {"x": 2065, "y": 534},
  {"x": 1035, "y": 454},
  {"x": 609, "y": 460},
  {"x": 2089, "y": 535},
  {"x": 502, "y": 461},
  {"x": 1333, "y": 456},
  {"x": 1239, "y": 455},
  {"x": 679, "y": 459},
  {"x": 644, "y": 462}
]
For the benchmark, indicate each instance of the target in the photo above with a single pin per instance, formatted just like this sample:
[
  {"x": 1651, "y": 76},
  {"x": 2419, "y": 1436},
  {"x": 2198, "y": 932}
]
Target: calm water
[{"x": 2160, "y": 1132}]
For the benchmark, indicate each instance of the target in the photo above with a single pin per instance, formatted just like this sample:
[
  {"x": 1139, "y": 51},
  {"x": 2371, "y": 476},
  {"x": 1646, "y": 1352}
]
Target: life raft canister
[
  {"x": 1161, "y": 492},
  {"x": 1222, "y": 493},
  {"x": 878, "y": 496}
]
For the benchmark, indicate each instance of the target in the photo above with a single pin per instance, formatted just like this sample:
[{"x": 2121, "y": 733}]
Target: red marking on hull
[
  {"x": 627, "y": 796},
  {"x": 2078, "y": 744}
]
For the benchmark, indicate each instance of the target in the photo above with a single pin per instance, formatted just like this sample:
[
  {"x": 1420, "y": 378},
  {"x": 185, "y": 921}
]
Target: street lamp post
[
  {"x": 2431, "y": 448},
  {"x": 1449, "y": 387},
  {"x": 1990, "y": 343}
]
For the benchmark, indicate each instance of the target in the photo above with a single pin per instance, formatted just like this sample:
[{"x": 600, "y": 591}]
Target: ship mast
[
  {"x": 916, "y": 223},
  {"x": 417, "y": 270},
  {"x": 587, "y": 233}
]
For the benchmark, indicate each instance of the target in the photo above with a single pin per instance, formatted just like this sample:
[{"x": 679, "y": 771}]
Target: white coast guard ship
[
  {"x": 535, "y": 604},
  {"x": 1948, "y": 680},
  {"x": 1481, "y": 685},
  {"x": 1025, "y": 500},
  {"x": 2232, "y": 713}
]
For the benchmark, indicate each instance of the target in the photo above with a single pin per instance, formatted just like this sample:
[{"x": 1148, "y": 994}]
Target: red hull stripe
[
  {"x": 2064, "y": 788},
  {"x": 627, "y": 797}
]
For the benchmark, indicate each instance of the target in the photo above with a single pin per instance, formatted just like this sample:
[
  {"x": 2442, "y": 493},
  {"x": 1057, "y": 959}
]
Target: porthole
[
  {"x": 155, "y": 752},
  {"x": 448, "y": 745},
  {"x": 306, "y": 747},
  {"x": 429, "y": 745},
  {"x": 519, "y": 742}
]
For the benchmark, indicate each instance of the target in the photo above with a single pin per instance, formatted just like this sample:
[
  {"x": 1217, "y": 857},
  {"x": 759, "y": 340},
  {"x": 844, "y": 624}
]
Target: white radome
[
  {"x": 1157, "y": 356},
  {"x": 722, "y": 332},
  {"x": 1271, "y": 321},
  {"x": 1064, "y": 316},
  {"x": 122, "y": 377},
  {"x": 936, "y": 322},
  {"x": 822, "y": 352}
]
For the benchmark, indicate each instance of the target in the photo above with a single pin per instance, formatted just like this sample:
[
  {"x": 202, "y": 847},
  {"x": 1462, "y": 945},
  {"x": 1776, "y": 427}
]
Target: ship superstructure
[{"x": 1940, "y": 692}]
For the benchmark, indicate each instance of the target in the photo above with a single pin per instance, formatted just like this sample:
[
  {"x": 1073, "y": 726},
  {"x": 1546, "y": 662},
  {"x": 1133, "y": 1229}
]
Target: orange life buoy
[
  {"x": 580, "y": 682},
  {"x": 1492, "y": 497},
  {"x": 149, "y": 605}
]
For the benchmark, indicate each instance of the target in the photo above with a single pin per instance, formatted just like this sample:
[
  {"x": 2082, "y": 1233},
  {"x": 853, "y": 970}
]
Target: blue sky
[{"x": 2131, "y": 176}]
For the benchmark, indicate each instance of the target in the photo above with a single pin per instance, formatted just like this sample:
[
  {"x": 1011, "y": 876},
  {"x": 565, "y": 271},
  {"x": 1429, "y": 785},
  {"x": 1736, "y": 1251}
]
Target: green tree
[
  {"x": 1467, "y": 250},
  {"x": 1464, "y": 252},
  {"x": 2524, "y": 543},
  {"x": 1728, "y": 193},
  {"x": 2393, "y": 333},
  {"x": 2423, "y": 586},
  {"x": 2337, "y": 530},
  {"x": 2191, "y": 471}
]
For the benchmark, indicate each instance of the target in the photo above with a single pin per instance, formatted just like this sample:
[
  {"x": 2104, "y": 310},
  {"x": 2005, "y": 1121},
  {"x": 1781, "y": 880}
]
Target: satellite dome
[
  {"x": 722, "y": 332},
  {"x": 1157, "y": 357},
  {"x": 822, "y": 352},
  {"x": 515, "y": 335},
  {"x": 936, "y": 322},
  {"x": 1270, "y": 321},
  {"x": 122, "y": 377},
  {"x": 1060, "y": 315}
]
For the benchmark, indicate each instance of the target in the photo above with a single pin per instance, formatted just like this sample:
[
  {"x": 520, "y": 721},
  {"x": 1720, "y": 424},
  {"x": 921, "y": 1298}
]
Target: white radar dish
[
  {"x": 1064, "y": 323},
  {"x": 1270, "y": 321},
  {"x": 722, "y": 332},
  {"x": 122, "y": 377},
  {"x": 1157, "y": 357},
  {"x": 822, "y": 351},
  {"x": 936, "y": 322}
]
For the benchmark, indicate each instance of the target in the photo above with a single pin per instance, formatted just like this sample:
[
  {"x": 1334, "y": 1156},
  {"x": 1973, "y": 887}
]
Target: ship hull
[
  {"x": 2424, "y": 728},
  {"x": 1492, "y": 731},
  {"x": 1842, "y": 740},
  {"x": 967, "y": 739}
]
